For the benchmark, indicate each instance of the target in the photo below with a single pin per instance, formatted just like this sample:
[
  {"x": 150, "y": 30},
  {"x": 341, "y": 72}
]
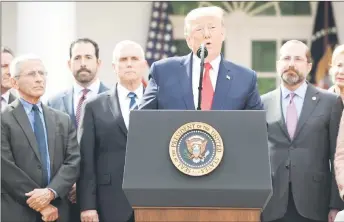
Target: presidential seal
[{"x": 196, "y": 149}]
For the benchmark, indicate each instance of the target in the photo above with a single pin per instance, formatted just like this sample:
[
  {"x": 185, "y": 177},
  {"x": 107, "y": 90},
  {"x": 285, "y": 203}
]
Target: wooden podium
[
  {"x": 196, "y": 214},
  {"x": 238, "y": 189}
]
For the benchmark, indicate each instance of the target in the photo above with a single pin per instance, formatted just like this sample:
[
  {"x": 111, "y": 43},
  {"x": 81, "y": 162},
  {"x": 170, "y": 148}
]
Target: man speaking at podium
[{"x": 174, "y": 82}]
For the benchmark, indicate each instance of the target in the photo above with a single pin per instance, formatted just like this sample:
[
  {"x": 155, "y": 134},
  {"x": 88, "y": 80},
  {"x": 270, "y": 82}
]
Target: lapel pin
[
  {"x": 314, "y": 98},
  {"x": 228, "y": 77}
]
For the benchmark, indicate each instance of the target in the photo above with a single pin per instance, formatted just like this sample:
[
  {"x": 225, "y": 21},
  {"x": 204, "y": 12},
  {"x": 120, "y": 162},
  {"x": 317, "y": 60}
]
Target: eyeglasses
[{"x": 33, "y": 74}]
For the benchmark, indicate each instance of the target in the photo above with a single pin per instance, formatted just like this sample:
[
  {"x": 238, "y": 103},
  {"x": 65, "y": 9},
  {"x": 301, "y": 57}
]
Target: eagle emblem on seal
[{"x": 196, "y": 148}]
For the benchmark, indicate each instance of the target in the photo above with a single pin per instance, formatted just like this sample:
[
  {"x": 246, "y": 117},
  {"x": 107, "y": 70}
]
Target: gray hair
[
  {"x": 119, "y": 46},
  {"x": 17, "y": 62},
  {"x": 214, "y": 11}
]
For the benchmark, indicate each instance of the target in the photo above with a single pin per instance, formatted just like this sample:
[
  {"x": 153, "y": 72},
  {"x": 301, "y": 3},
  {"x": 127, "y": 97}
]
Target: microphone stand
[{"x": 200, "y": 77}]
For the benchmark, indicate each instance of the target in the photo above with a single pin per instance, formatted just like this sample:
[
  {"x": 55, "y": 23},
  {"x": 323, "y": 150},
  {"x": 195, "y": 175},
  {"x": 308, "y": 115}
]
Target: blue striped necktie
[
  {"x": 132, "y": 97},
  {"x": 41, "y": 141}
]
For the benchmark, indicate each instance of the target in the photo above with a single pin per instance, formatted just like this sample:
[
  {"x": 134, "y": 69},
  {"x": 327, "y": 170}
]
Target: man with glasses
[
  {"x": 39, "y": 150},
  {"x": 303, "y": 124},
  {"x": 6, "y": 95}
]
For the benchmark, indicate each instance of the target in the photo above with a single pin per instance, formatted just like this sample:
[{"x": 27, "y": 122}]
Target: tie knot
[
  {"x": 85, "y": 91},
  {"x": 207, "y": 66},
  {"x": 35, "y": 107},
  {"x": 132, "y": 95}
]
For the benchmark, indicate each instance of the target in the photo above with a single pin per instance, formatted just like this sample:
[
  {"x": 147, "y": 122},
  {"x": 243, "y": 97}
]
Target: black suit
[
  {"x": 64, "y": 102},
  {"x": 103, "y": 136}
]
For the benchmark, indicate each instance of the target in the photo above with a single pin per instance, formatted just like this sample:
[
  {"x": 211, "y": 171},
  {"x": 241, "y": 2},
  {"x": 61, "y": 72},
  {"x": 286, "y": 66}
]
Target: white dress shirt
[
  {"x": 124, "y": 100},
  {"x": 77, "y": 92},
  {"x": 4, "y": 102},
  {"x": 196, "y": 62}
]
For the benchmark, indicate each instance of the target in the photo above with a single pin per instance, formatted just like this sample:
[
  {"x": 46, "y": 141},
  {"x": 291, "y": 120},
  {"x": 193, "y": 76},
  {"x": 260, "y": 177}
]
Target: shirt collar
[
  {"x": 28, "y": 106},
  {"x": 301, "y": 91},
  {"x": 94, "y": 87},
  {"x": 6, "y": 96},
  {"x": 124, "y": 91},
  {"x": 215, "y": 64}
]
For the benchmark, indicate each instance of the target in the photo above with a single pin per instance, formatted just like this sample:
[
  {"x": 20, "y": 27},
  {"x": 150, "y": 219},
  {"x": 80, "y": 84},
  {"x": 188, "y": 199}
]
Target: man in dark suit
[
  {"x": 226, "y": 86},
  {"x": 39, "y": 151},
  {"x": 303, "y": 123},
  {"x": 103, "y": 137},
  {"x": 84, "y": 64},
  {"x": 6, "y": 95}
]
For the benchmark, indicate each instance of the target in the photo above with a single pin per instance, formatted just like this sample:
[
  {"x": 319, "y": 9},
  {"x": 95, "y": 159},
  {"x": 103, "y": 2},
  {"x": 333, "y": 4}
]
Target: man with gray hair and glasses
[{"x": 39, "y": 150}]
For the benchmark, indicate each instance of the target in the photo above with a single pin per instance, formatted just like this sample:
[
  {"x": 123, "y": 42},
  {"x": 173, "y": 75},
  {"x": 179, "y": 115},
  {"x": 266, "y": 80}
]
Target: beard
[
  {"x": 81, "y": 77},
  {"x": 292, "y": 76}
]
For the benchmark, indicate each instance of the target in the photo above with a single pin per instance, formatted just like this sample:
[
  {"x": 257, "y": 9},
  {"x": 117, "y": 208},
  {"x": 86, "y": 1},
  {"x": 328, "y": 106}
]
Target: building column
[{"x": 47, "y": 30}]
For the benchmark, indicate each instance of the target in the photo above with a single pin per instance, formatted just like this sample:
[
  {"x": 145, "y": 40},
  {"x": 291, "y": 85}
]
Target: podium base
[{"x": 196, "y": 214}]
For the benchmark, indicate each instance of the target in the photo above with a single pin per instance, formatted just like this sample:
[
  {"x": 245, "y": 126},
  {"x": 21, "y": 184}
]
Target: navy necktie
[
  {"x": 41, "y": 141},
  {"x": 132, "y": 97}
]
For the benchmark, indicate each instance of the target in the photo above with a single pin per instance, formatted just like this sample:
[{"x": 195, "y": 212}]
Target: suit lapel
[
  {"x": 115, "y": 108},
  {"x": 102, "y": 88},
  {"x": 277, "y": 111},
  {"x": 11, "y": 98},
  {"x": 50, "y": 124},
  {"x": 69, "y": 104},
  {"x": 222, "y": 85},
  {"x": 310, "y": 101},
  {"x": 185, "y": 80},
  {"x": 24, "y": 122}
]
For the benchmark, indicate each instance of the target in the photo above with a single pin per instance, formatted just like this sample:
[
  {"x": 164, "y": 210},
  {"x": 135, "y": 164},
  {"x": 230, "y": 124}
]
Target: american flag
[{"x": 160, "y": 35}]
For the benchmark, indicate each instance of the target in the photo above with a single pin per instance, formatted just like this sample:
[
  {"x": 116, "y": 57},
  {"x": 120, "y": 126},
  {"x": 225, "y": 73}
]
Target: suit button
[
  {"x": 287, "y": 166},
  {"x": 39, "y": 167}
]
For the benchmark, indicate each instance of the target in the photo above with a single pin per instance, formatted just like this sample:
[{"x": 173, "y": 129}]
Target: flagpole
[{"x": 326, "y": 25}]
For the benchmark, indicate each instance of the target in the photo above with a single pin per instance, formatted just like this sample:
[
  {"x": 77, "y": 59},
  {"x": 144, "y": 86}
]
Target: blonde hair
[
  {"x": 214, "y": 11},
  {"x": 338, "y": 51}
]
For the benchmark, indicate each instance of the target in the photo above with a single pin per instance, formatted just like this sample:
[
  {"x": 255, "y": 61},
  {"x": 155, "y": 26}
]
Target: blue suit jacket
[
  {"x": 170, "y": 86},
  {"x": 64, "y": 101}
]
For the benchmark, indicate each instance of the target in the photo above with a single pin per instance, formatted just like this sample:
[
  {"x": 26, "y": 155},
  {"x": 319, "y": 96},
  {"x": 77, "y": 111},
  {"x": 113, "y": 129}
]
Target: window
[{"x": 255, "y": 32}]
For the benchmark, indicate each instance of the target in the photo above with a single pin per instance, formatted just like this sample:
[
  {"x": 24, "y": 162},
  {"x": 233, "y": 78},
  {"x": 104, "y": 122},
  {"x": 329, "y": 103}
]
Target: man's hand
[
  {"x": 89, "y": 216},
  {"x": 332, "y": 215},
  {"x": 49, "y": 213},
  {"x": 72, "y": 194},
  {"x": 39, "y": 198}
]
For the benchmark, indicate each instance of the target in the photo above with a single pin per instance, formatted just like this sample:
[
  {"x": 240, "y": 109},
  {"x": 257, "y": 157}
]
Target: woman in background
[{"x": 337, "y": 73}]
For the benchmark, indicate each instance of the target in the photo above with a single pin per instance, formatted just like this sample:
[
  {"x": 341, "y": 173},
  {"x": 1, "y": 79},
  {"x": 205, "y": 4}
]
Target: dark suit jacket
[
  {"x": 306, "y": 157},
  {"x": 64, "y": 101},
  {"x": 170, "y": 86},
  {"x": 21, "y": 166},
  {"x": 103, "y": 136}
]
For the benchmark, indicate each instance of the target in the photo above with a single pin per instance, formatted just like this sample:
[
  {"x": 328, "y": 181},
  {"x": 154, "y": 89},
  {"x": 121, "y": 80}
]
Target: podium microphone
[{"x": 202, "y": 53}]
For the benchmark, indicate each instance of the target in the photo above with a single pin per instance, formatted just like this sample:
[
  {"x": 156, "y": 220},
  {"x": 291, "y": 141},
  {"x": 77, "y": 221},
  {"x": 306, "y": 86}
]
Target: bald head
[{"x": 300, "y": 44}]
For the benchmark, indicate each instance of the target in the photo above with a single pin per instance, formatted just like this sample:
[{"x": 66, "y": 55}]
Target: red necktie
[
  {"x": 78, "y": 108},
  {"x": 207, "y": 91}
]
